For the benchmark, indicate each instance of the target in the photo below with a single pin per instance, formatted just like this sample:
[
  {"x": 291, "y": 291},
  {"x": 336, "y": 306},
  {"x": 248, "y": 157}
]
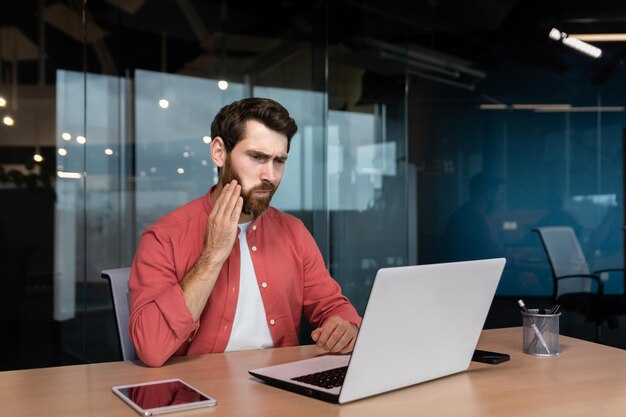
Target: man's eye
[{"x": 279, "y": 162}]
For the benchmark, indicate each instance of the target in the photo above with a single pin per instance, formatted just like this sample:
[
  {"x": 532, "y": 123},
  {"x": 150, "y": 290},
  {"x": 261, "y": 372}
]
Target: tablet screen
[{"x": 162, "y": 396}]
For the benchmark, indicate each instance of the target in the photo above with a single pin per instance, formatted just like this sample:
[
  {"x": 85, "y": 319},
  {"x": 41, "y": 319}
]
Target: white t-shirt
[{"x": 250, "y": 329}]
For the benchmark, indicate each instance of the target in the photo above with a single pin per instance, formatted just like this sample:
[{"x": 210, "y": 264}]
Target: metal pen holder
[{"x": 541, "y": 333}]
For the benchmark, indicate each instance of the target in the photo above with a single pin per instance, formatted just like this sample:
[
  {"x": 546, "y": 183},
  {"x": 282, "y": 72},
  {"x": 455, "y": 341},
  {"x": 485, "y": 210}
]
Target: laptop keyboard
[{"x": 330, "y": 378}]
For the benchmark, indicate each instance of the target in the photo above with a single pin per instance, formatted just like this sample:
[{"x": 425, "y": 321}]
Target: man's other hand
[{"x": 336, "y": 335}]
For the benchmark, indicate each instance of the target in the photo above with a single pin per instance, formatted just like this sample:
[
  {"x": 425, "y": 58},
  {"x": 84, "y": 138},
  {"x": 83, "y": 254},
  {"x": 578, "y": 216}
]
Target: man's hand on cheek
[{"x": 336, "y": 335}]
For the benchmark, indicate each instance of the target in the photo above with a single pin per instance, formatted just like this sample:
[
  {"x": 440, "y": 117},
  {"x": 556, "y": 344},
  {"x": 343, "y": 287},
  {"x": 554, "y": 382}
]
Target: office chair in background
[
  {"x": 118, "y": 280},
  {"x": 575, "y": 287}
]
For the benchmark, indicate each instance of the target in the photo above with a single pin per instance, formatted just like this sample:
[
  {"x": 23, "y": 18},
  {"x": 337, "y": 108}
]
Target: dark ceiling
[{"x": 184, "y": 36}]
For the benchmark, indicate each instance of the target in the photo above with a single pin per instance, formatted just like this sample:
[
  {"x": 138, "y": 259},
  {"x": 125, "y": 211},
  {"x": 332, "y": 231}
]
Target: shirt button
[
  {"x": 264, "y": 285},
  {"x": 254, "y": 249},
  {"x": 254, "y": 227},
  {"x": 272, "y": 322}
]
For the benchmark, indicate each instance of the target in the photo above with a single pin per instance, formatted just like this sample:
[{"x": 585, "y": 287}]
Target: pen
[
  {"x": 554, "y": 310},
  {"x": 534, "y": 327}
]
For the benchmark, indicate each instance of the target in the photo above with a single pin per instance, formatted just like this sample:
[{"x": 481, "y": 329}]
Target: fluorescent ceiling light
[
  {"x": 72, "y": 175},
  {"x": 600, "y": 37},
  {"x": 574, "y": 43},
  {"x": 548, "y": 108},
  {"x": 582, "y": 109},
  {"x": 493, "y": 107},
  {"x": 541, "y": 106}
]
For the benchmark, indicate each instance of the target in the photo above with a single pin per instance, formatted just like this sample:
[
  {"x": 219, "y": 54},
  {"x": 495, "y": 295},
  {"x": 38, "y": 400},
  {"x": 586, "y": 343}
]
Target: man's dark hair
[{"x": 229, "y": 123}]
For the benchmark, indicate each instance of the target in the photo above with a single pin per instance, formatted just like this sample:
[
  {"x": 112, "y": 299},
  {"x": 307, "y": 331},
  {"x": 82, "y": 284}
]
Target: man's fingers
[
  {"x": 326, "y": 330},
  {"x": 336, "y": 335},
  {"x": 225, "y": 198},
  {"x": 349, "y": 348},
  {"x": 221, "y": 227},
  {"x": 338, "y": 339},
  {"x": 237, "y": 210},
  {"x": 218, "y": 206},
  {"x": 232, "y": 200},
  {"x": 315, "y": 334}
]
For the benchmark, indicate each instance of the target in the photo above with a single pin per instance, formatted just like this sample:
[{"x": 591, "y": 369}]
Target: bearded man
[{"x": 228, "y": 272}]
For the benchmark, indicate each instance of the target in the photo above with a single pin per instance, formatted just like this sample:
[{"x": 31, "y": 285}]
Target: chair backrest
[
  {"x": 118, "y": 280},
  {"x": 565, "y": 257}
]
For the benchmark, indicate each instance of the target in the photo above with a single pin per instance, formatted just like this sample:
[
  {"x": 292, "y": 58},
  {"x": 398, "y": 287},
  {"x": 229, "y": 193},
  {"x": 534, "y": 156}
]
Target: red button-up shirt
[{"x": 289, "y": 268}]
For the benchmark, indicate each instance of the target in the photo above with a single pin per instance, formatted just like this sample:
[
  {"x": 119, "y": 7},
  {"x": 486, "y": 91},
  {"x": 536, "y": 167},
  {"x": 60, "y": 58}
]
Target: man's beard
[{"x": 252, "y": 206}]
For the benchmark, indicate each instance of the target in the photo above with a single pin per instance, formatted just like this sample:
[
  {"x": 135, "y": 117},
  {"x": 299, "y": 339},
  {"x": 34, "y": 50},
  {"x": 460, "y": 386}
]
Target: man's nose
[{"x": 268, "y": 173}]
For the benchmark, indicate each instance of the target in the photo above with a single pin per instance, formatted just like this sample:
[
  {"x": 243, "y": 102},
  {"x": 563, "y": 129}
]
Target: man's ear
[{"x": 218, "y": 152}]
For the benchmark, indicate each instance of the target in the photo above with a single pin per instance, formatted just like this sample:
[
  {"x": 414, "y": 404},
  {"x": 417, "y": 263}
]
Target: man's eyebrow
[{"x": 282, "y": 157}]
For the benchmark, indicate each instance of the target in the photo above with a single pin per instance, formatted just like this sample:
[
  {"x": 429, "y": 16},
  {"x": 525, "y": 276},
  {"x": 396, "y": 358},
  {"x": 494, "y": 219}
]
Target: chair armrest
[
  {"x": 599, "y": 271},
  {"x": 590, "y": 276}
]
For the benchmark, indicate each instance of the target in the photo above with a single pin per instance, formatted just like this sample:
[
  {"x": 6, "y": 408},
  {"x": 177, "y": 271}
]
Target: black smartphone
[{"x": 492, "y": 358}]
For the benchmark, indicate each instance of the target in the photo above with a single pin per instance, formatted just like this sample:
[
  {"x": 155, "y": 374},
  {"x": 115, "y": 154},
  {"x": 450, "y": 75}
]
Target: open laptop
[{"x": 421, "y": 323}]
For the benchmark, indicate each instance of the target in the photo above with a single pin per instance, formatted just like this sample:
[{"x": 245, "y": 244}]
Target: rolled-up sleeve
[{"x": 160, "y": 321}]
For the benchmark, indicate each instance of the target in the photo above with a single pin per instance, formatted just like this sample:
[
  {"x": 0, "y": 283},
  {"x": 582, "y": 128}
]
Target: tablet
[{"x": 165, "y": 396}]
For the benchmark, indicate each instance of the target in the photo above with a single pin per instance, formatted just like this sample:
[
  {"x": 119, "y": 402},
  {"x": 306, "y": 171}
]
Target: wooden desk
[{"x": 586, "y": 380}]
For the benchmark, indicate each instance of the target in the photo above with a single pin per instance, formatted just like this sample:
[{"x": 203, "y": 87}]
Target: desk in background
[{"x": 587, "y": 379}]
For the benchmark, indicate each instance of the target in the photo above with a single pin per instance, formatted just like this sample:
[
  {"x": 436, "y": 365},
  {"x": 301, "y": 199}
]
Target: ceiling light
[
  {"x": 108, "y": 151},
  {"x": 541, "y": 106},
  {"x": 3, "y": 102},
  {"x": 81, "y": 139},
  {"x": 66, "y": 136},
  {"x": 72, "y": 175},
  {"x": 493, "y": 107},
  {"x": 222, "y": 85},
  {"x": 62, "y": 151},
  {"x": 164, "y": 104},
  {"x": 600, "y": 37},
  {"x": 180, "y": 171},
  {"x": 582, "y": 109},
  {"x": 206, "y": 139},
  {"x": 37, "y": 157},
  {"x": 8, "y": 120},
  {"x": 574, "y": 43}
]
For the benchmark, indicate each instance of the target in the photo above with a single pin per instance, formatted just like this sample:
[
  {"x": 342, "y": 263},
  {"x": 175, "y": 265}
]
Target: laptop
[{"x": 421, "y": 323}]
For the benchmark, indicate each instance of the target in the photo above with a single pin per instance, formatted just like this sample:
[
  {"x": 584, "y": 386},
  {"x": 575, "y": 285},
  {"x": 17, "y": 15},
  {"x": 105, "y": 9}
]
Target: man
[
  {"x": 469, "y": 233},
  {"x": 226, "y": 271}
]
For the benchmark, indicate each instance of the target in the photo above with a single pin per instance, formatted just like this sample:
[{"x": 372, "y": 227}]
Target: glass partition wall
[
  {"x": 417, "y": 121},
  {"x": 138, "y": 147}
]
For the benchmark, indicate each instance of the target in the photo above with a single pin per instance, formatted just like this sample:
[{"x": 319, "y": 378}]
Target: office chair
[
  {"x": 575, "y": 287},
  {"x": 118, "y": 280}
]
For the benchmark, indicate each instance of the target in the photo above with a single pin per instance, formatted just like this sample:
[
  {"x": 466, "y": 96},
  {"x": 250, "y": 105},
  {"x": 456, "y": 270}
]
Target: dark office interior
[{"x": 419, "y": 121}]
